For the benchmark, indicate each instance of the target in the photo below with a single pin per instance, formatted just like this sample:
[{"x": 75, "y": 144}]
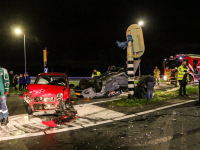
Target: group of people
[
  {"x": 23, "y": 80},
  {"x": 146, "y": 83},
  {"x": 181, "y": 77}
]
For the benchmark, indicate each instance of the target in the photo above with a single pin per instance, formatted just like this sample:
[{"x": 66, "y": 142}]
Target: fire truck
[{"x": 191, "y": 60}]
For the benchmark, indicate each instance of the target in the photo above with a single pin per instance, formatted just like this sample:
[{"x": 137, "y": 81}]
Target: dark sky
[{"x": 85, "y": 30}]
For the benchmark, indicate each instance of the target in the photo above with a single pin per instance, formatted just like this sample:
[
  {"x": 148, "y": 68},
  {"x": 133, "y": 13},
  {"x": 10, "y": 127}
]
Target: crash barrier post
[{"x": 135, "y": 50}]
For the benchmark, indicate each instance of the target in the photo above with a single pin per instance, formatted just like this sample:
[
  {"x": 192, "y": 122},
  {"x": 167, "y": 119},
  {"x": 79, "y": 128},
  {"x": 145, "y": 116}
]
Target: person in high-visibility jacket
[
  {"x": 95, "y": 73},
  {"x": 183, "y": 78},
  {"x": 4, "y": 89},
  {"x": 168, "y": 75},
  {"x": 156, "y": 74}
]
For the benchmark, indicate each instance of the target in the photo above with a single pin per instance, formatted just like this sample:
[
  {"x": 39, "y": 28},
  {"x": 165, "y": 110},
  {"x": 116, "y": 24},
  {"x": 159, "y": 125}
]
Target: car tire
[
  {"x": 29, "y": 109},
  {"x": 62, "y": 105},
  {"x": 67, "y": 104}
]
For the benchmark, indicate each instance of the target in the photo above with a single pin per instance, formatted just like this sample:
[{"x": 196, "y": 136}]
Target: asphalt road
[{"x": 99, "y": 128}]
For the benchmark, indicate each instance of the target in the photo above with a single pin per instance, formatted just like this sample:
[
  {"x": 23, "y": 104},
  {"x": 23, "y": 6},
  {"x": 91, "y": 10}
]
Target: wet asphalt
[{"x": 169, "y": 129}]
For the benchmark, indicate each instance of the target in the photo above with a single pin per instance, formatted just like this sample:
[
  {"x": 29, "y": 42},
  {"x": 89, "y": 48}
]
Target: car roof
[{"x": 52, "y": 73}]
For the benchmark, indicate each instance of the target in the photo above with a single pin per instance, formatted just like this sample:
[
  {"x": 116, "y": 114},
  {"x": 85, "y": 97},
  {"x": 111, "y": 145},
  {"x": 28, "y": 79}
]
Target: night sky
[{"x": 81, "y": 35}]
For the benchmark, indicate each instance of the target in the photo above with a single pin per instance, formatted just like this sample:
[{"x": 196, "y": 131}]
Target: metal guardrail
[{"x": 79, "y": 78}]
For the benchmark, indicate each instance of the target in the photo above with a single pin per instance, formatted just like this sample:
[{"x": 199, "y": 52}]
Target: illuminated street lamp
[
  {"x": 18, "y": 31},
  {"x": 141, "y": 23}
]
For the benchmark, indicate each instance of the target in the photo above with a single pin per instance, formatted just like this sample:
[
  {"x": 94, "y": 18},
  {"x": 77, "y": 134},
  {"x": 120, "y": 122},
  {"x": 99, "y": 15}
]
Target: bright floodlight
[
  {"x": 18, "y": 31},
  {"x": 141, "y": 23}
]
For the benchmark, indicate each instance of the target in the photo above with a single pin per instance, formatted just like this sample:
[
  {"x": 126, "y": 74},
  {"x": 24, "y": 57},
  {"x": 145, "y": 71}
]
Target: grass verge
[
  {"x": 75, "y": 84},
  {"x": 12, "y": 90},
  {"x": 159, "y": 96},
  {"x": 162, "y": 80}
]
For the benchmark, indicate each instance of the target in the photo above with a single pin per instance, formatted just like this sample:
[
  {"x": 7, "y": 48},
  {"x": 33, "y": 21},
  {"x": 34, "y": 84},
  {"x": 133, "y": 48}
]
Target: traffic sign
[{"x": 137, "y": 38}]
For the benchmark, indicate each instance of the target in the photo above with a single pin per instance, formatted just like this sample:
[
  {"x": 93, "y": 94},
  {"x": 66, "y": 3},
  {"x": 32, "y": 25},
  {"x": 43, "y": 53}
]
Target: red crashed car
[{"x": 50, "y": 91}]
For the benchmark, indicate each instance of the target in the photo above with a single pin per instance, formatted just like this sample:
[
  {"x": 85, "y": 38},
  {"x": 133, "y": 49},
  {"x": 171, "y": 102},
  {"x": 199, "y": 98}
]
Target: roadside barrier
[{"x": 79, "y": 78}]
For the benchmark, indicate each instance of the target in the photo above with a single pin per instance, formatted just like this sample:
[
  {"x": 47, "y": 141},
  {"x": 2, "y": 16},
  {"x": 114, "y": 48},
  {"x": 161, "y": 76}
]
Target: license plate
[{"x": 78, "y": 94}]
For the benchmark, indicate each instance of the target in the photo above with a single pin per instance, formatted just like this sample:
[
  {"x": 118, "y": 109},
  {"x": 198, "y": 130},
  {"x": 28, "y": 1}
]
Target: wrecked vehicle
[
  {"x": 111, "y": 83},
  {"x": 50, "y": 91}
]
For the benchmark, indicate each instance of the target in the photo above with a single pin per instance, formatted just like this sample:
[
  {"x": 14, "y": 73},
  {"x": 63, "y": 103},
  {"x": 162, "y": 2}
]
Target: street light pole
[
  {"x": 25, "y": 53},
  {"x": 18, "y": 31}
]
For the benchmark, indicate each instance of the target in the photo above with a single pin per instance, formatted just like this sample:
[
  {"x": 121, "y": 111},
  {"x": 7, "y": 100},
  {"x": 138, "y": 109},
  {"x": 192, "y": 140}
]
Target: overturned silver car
[{"x": 111, "y": 83}]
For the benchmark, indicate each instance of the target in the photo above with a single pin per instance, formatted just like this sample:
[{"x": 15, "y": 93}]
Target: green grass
[
  {"x": 162, "y": 80},
  {"x": 159, "y": 96},
  {"x": 12, "y": 90},
  {"x": 75, "y": 84}
]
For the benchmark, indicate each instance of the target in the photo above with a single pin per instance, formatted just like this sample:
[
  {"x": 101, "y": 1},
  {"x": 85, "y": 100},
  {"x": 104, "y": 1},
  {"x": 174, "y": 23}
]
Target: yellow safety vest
[
  {"x": 181, "y": 72},
  {"x": 98, "y": 74}
]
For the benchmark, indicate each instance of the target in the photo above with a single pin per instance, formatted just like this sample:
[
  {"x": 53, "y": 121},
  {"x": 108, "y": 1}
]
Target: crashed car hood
[{"x": 43, "y": 90}]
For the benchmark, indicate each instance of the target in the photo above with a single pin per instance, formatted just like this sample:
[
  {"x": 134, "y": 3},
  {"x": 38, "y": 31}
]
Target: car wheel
[
  {"x": 62, "y": 105},
  {"x": 30, "y": 112},
  {"x": 67, "y": 104}
]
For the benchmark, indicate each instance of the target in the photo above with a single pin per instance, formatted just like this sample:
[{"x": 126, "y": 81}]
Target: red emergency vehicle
[{"x": 191, "y": 59}]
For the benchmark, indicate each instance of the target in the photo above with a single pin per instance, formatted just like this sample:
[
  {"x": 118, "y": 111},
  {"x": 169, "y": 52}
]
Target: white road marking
[{"x": 21, "y": 126}]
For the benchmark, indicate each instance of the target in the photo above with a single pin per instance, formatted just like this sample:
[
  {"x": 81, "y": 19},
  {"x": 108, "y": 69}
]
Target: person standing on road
[
  {"x": 21, "y": 82},
  {"x": 168, "y": 75},
  {"x": 183, "y": 78},
  {"x": 15, "y": 79},
  {"x": 156, "y": 74},
  {"x": 176, "y": 77},
  {"x": 28, "y": 80},
  {"x": 4, "y": 89},
  {"x": 95, "y": 73},
  {"x": 11, "y": 76}
]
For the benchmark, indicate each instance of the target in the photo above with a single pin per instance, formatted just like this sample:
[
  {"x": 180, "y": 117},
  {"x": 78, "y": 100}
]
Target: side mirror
[{"x": 71, "y": 85}]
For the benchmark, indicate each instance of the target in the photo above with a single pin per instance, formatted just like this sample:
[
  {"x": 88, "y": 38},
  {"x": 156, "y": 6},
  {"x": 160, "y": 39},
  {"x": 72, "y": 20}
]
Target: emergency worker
[
  {"x": 176, "y": 77},
  {"x": 95, "y": 73},
  {"x": 168, "y": 75},
  {"x": 183, "y": 78},
  {"x": 4, "y": 89},
  {"x": 156, "y": 74}
]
